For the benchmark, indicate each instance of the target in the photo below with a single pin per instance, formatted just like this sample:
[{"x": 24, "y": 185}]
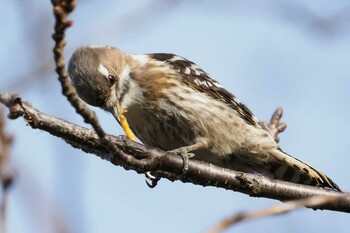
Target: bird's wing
[{"x": 198, "y": 79}]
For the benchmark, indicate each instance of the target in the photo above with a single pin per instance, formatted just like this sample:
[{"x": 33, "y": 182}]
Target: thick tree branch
[{"x": 142, "y": 159}]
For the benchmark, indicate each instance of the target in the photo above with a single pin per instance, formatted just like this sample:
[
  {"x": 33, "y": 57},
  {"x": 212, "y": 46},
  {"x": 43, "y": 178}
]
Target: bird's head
[{"x": 98, "y": 73}]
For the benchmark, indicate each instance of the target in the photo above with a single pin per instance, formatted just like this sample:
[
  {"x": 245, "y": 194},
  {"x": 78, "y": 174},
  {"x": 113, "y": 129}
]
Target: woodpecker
[{"x": 172, "y": 104}]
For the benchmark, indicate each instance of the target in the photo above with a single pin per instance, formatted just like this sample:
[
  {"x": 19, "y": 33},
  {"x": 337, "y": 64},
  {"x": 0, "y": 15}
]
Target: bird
[{"x": 174, "y": 105}]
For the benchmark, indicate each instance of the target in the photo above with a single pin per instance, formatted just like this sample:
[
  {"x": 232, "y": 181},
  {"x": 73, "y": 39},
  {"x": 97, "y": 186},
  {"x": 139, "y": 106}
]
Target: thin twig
[
  {"x": 6, "y": 174},
  {"x": 275, "y": 126},
  {"x": 62, "y": 8},
  {"x": 282, "y": 208}
]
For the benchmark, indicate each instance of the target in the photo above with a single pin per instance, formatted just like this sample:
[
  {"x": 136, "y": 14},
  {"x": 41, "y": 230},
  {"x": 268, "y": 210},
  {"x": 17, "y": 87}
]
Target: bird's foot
[{"x": 184, "y": 152}]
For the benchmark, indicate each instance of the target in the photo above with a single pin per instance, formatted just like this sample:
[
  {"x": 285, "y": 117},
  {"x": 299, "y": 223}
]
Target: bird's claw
[
  {"x": 151, "y": 180},
  {"x": 185, "y": 155}
]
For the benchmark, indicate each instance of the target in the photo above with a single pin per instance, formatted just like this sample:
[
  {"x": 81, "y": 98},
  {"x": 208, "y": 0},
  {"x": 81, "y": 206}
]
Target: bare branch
[
  {"x": 62, "y": 8},
  {"x": 310, "y": 202},
  {"x": 141, "y": 159},
  {"x": 6, "y": 172}
]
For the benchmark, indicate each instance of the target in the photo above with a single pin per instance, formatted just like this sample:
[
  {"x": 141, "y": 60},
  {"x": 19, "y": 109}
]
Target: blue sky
[{"x": 293, "y": 54}]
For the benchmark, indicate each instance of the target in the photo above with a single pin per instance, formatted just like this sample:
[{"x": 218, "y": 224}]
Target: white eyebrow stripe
[{"x": 103, "y": 70}]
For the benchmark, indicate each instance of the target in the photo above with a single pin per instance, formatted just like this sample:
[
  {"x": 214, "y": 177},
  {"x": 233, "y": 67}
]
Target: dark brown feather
[{"x": 198, "y": 79}]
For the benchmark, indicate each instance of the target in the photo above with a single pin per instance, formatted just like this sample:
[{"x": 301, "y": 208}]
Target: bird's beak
[
  {"x": 118, "y": 114},
  {"x": 116, "y": 111}
]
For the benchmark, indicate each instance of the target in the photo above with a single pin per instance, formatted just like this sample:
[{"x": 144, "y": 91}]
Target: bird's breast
[{"x": 159, "y": 127}]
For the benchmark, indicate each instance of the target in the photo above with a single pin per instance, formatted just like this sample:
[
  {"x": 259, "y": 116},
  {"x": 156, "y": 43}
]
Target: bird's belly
[{"x": 169, "y": 128}]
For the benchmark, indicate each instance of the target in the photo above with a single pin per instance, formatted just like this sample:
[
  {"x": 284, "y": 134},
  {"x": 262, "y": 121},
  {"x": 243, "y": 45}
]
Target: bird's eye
[{"x": 112, "y": 79}]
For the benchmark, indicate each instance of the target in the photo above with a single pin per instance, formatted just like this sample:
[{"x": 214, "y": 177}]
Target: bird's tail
[{"x": 290, "y": 169}]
